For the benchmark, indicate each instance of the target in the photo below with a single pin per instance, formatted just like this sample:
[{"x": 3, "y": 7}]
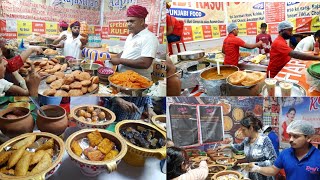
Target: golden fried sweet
[
  {"x": 90, "y": 109},
  {"x": 94, "y": 138},
  {"x": 4, "y": 170},
  {"x": 57, "y": 84},
  {"x": 59, "y": 74},
  {"x": 51, "y": 78},
  {"x": 130, "y": 79},
  {"x": 68, "y": 79},
  {"x": 111, "y": 155},
  {"x": 64, "y": 67},
  {"x": 37, "y": 157},
  {"x": 76, "y": 85},
  {"x": 95, "y": 155},
  {"x": 92, "y": 88},
  {"x": 105, "y": 146},
  {"x": 95, "y": 80},
  {"x": 75, "y": 147},
  {"x": 4, "y": 156},
  {"x": 15, "y": 157},
  {"x": 61, "y": 93},
  {"x": 49, "y": 151},
  {"x": 44, "y": 163},
  {"x": 86, "y": 82},
  {"x": 65, "y": 87},
  {"x": 75, "y": 92},
  {"x": 84, "y": 90},
  {"x": 237, "y": 77},
  {"x": 102, "y": 115}
]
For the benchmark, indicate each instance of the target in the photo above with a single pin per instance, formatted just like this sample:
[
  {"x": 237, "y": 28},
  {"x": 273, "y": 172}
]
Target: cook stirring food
[
  {"x": 257, "y": 147},
  {"x": 141, "y": 45}
]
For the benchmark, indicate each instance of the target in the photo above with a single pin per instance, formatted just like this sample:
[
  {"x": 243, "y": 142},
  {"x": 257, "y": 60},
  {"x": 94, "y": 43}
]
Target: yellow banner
[
  {"x": 197, "y": 33},
  {"x": 294, "y": 23},
  {"x": 24, "y": 28},
  {"x": 315, "y": 23},
  {"x": 115, "y": 38},
  {"x": 51, "y": 28},
  {"x": 242, "y": 29},
  {"x": 215, "y": 31}
]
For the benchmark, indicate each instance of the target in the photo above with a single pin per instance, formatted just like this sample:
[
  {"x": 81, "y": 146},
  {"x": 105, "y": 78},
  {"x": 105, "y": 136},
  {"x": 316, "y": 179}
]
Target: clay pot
[
  {"x": 16, "y": 126},
  {"x": 56, "y": 121}
]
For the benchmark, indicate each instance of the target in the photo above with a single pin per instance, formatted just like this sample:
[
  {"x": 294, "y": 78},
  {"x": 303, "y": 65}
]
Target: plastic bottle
[{"x": 316, "y": 47}]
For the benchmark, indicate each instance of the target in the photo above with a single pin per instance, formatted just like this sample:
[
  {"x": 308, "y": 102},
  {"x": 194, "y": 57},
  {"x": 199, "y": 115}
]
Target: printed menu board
[
  {"x": 211, "y": 122},
  {"x": 184, "y": 125},
  {"x": 275, "y": 11}
]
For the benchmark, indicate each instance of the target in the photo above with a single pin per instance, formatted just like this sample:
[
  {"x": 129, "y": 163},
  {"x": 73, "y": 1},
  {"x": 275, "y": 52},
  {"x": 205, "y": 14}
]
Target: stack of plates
[{"x": 314, "y": 70}]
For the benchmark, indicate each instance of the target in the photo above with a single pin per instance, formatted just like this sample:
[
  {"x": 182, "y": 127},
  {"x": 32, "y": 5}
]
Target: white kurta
[
  {"x": 306, "y": 44},
  {"x": 72, "y": 46},
  {"x": 143, "y": 44}
]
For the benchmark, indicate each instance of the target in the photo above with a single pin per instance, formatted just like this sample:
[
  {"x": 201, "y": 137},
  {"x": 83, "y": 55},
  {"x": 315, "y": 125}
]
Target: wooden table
[{"x": 295, "y": 71}]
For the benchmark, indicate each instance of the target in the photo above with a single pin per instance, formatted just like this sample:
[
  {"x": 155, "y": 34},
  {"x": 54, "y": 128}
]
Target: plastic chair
[{"x": 178, "y": 42}]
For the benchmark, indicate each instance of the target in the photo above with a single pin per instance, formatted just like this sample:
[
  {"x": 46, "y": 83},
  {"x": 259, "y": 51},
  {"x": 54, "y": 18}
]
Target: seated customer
[
  {"x": 307, "y": 43},
  {"x": 178, "y": 166}
]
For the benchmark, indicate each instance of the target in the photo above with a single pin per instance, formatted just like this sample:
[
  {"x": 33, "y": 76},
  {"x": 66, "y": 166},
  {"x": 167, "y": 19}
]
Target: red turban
[
  {"x": 76, "y": 23},
  {"x": 137, "y": 11},
  {"x": 63, "y": 24}
]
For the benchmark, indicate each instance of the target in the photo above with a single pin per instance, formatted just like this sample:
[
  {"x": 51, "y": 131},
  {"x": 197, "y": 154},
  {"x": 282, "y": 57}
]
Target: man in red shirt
[
  {"x": 265, "y": 38},
  {"x": 232, "y": 44},
  {"x": 174, "y": 27},
  {"x": 281, "y": 53}
]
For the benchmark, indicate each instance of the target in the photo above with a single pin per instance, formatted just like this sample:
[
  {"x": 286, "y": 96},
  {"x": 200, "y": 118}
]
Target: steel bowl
[
  {"x": 191, "y": 55},
  {"x": 74, "y": 64},
  {"x": 92, "y": 69},
  {"x": 192, "y": 74}
]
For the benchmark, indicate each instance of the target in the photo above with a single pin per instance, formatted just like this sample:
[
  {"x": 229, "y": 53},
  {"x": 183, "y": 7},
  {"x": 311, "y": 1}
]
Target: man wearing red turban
[
  {"x": 74, "y": 42},
  {"x": 141, "y": 45},
  {"x": 63, "y": 28}
]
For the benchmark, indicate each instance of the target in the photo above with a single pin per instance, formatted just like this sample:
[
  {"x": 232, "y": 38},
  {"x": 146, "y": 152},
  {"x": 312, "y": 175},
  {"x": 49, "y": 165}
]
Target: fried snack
[
  {"x": 65, "y": 87},
  {"x": 95, "y": 155},
  {"x": 95, "y": 80},
  {"x": 86, "y": 82},
  {"x": 19, "y": 104},
  {"x": 49, "y": 92},
  {"x": 130, "y": 79},
  {"x": 88, "y": 115},
  {"x": 51, "y": 78},
  {"x": 25, "y": 142},
  {"x": 82, "y": 76},
  {"x": 15, "y": 157},
  {"x": 75, "y": 147},
  {"x": 75, "y": 92},
  {"x": 44, "y": 163},
  {"x": 94, "y": 138},
  {"x": 76, "y": 85},
  {"x": 54, "y": 69},
  {"x": 111, "y": 155},
  {"x": 55, "y": 60},
  {"x": 49, "y": 151},
  {"x": 95, "y": 118},
  {"x": 92, "y": 88},
  {"x": 237, "y": 77},
  {"x": 47, "y": 145},
  {"x": 64, "y": 67},
  {"x": 4, "y": 156},
  {"x": 90, "y": 109},
  {"x": 61, "y": 93},
  {"x": 105, "y": 146},
  {"x": 43, "y": 63},
  {"x": 57, "y": 84},
  {"x": 51, "y": 63},
  {"x": 68, "y": 79},
  {"x": 42, "y": 74},
  {"x": 76, "y": 72},
  {"x": 37, "y": 157},
  {"x": 50, "y": 52},
  {"x": 8, "y": 172},
  {"x": 23, "y": 164},
  {"x": 253, "y": 78},
  {"x": 84, "y": 90},
  {"x": 81, "y": 118},
  {"x": 81, "y": 112},
  {"x": 102, "y": 115},
  {"x": 59, "y": 74}
]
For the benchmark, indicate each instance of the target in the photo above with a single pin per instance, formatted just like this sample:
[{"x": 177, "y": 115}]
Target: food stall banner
[
  {"x": 238, "y": 12},
  {"x": 52, "y": 10},
  {"x": 184, "y": 125},
  {"x": 115, "y": 17},
  {"x": 307, "y": 109},
  {"x": 211, "y": 123}
]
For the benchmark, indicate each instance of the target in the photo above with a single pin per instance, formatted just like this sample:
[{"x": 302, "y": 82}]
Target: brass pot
[
  {"x": 136, "y": 155},
  {"x": 161, "y": 118}
]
